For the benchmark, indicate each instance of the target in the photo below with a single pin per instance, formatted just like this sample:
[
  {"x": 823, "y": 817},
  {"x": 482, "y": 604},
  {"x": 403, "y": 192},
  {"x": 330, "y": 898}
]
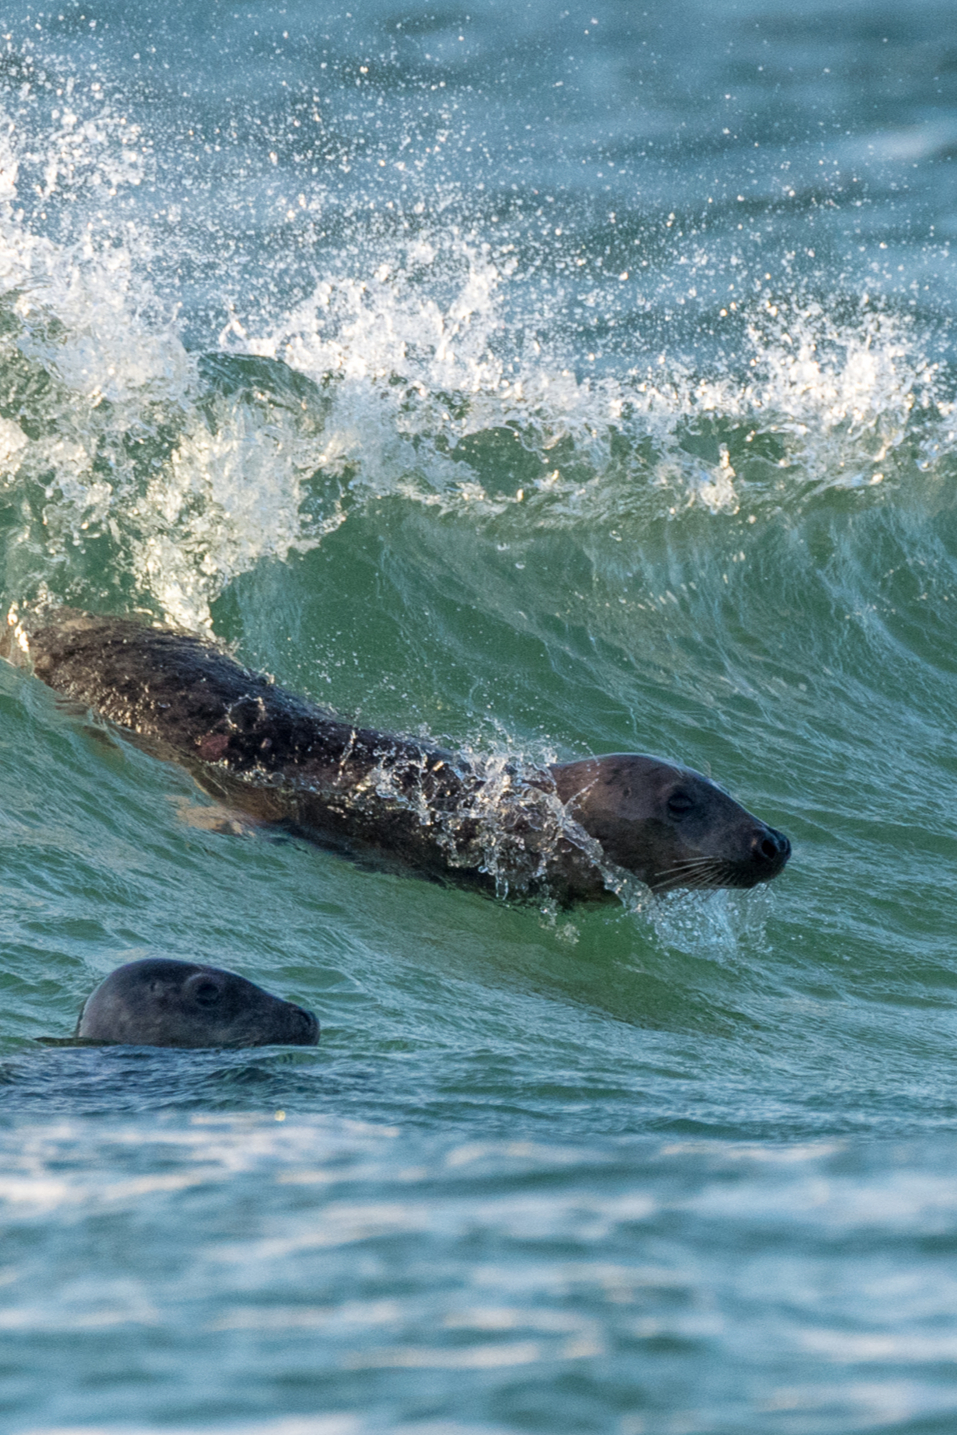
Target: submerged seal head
[
  {"x": 669, "y": 825},
  {"x": 161, "y": 1002}
]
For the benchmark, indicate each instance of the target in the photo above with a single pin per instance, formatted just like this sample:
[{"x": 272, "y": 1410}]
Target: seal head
[
  {"x": 162, "y": 1002},
  {"x": 669, "y": 825}
]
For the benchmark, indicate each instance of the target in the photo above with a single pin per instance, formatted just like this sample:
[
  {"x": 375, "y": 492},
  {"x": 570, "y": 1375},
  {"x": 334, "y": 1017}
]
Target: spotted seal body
[
  {"x": 162, "y": 1002},
  {"x": 280, "y": 758}
]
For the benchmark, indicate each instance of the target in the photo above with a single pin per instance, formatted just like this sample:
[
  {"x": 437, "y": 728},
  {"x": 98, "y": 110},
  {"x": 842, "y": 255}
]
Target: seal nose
[
  {"x": 771, "y": 846},
  {"x": 306, "y": 1028}
]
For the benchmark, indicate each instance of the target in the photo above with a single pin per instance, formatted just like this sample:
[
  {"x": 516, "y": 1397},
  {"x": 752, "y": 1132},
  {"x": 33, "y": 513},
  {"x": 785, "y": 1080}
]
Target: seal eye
[
  {"x": 680, "y": 803},
  {"x": 206, "y": 993}
]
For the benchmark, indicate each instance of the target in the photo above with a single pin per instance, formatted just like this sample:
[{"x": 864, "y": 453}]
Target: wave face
[{"x": 535, "y": 383}]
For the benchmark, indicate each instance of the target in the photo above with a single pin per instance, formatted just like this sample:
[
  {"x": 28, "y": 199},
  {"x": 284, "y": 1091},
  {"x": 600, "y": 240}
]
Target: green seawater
[{"x": 541, "y": 383}]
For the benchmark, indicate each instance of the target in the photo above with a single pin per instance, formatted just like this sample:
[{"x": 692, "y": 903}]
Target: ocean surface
[{"x": 543, "y": 382}]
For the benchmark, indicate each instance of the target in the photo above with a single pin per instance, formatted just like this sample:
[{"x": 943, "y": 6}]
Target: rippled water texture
[{"x": 538, "y": 382}]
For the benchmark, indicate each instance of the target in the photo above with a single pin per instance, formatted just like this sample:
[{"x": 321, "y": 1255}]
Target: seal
[
  {"x": 567, "y": 830},
  {"x": 162, "y": 1002}
]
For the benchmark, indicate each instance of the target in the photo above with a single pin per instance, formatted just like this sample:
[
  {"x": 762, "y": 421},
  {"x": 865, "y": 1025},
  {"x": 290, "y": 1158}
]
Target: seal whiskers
[{"x": 698, "y": 873}]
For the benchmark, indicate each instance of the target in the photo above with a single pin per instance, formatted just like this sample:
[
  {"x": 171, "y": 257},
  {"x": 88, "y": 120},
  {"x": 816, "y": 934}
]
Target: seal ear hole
[{"x": 680, "y": 803}]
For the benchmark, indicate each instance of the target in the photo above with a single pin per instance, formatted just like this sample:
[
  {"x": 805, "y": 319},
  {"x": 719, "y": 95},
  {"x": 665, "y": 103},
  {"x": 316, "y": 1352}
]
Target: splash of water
[{"x": 144, "y": 482}]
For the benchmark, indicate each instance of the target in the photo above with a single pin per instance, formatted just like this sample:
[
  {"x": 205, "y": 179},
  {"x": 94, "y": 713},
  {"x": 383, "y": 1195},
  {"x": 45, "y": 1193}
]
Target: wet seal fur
[
  {"x": 565, "y": 830},
  {"x": 163, "y": 1002}
]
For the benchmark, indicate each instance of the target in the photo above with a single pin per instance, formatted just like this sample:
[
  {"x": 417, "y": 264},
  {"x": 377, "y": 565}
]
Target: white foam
[{"x": 416, "y": 343}]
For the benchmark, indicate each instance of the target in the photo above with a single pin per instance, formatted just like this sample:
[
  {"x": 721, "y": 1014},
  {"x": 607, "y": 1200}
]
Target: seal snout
[
  {"x": 305, "y": 1028},
  {"x": 770, "y": 848}
]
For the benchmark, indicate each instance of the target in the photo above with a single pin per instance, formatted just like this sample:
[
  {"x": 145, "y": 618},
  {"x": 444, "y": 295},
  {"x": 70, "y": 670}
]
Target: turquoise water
[{"x": 542, "y": 382}]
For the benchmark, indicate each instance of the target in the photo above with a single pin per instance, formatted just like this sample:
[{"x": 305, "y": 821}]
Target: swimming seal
[
  {"x": 162, "y": 1002},
  {"x": 392, "y": 800}
]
